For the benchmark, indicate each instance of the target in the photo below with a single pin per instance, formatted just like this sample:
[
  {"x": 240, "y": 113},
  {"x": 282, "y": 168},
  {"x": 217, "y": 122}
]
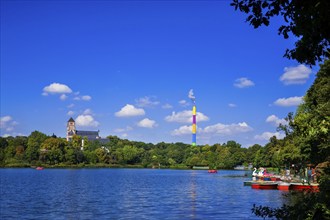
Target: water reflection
[{"x": 193, "y": 194}]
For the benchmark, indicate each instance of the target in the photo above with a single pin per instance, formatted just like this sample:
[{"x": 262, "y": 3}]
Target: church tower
[{"x": 70, "y": 129}]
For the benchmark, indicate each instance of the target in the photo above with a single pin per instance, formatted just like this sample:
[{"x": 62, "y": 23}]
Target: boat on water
[
  {"x": 39, "y": 168},
  {"x": 283, "y": 186},
  {"x": 201, "y": 167},
  {"x": 212, "y": 171},
  {"x": 264, "y": 185},
  {"x": 249, "y": 182},
  {"x": 305, "y": 186},
  {"x": 280, "y": 185}
]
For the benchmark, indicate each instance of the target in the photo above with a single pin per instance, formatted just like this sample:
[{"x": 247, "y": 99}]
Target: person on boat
[
  {"x": 309, "y": 174},
  {"x": 261, "y": 172},
  {"x": 313, "y": 175}
]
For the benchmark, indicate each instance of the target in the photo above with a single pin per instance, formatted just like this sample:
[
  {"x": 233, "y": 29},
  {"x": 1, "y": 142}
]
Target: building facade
[{"x": 91, "y": 135}]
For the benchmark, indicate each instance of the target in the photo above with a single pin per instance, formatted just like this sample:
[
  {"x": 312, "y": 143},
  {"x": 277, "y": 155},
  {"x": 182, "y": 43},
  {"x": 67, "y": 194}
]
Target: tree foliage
[
  {"x": 308, "y": 21},
  {"x": 307, "y": 141}
]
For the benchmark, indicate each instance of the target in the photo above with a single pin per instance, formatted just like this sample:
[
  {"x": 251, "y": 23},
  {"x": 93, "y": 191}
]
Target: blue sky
[{"x": 126, "y": 68}]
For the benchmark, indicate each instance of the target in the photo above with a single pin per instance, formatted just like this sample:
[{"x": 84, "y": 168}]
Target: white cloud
[
  {"x": 147, "y": 123},
  {"x": 267, "y": 135},
  {"x": 183, "y": 103},
  {"x": 124, "y": 135},
  {"x": 5, "y": 119},
  {"x": 120, "y": 130},
  {"x": 296, "y": 75},
  {"x": 63, "y": 97},
  {"x": 70, "y": 106},
  {"x": 243, "y": 83},
  {"x": 167, "y": 106},
  {"x": 86, "y": 121},
  {"x": 273, "y": 119},
  {"x": 130, "y": 111},
  {"x": 70, "y": 113},
  {"x": 86, "y": 97},
  {"x": 217, "y": 129},
  {"x": 223, "y": 129},
  {"x": 291, "y": 101},
  {"x": 9, "y": 129},
  {"x": 88, "y": 112},
  {"x": 56, "y": 88},
  {"x": 231, "y": 105},
  {"x": 7, "y": 124},
  {"x": 185, "y": 117},
  {"x": 146, "y": 102},
  {"x": 183, "y": 130},
  {"x": 14, "y": 134}
]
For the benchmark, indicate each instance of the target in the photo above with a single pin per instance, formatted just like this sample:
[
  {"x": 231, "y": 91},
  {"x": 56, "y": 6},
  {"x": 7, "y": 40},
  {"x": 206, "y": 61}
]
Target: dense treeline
[{"x": 40, "y": 149}]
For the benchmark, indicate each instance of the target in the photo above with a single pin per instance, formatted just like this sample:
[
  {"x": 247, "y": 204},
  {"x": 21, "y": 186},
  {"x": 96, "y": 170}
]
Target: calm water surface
[{"x": 129, "y": 194}]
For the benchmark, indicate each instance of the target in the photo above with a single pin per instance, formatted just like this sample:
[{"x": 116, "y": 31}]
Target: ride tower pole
[{"x": 194, "y": 126}]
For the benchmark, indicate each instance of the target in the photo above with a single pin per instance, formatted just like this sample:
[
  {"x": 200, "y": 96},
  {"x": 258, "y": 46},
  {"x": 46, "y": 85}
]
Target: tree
[
  {"x": 54, "y": 150},
  {"x": 35, "y": 140},
  {"x": 101, "y": 155},
  {"x": 3, "y": 146},
  {"x": 251, "y": 152},
  {"x": 312, "y": 120},
  {"x": 308, "y": 21},
  {"x": 309, "y": 130}
]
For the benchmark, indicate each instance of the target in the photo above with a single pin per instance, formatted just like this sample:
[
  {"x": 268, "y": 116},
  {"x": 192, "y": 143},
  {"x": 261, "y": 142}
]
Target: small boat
[
  {"x": 305, "y": 186},
  {"x": 274, "y": 178},
  {"x": 212, "y": 171},
  {"x": 264, "y": 185},
  {"x": 201, "y": 167},
  {"x": 39, "y": 168},
  {"x": 283, "y": 186},
  {"x": 249, "y": 183}
]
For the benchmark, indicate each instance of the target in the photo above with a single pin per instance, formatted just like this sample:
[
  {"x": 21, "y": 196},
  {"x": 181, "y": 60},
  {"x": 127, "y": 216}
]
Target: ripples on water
[{"x": 129, "y": 194}]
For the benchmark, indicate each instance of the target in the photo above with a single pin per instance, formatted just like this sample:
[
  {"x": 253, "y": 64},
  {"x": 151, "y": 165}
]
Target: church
[{"x": 91, "y": 135}]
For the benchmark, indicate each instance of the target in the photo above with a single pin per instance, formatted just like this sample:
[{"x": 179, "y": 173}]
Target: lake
[{"x": 129, "y": 194}]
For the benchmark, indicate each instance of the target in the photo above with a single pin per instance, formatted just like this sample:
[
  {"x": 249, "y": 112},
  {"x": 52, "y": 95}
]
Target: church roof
[
  {"x": 71, "y": 120},
  {"x": 91, "y": 135},
  {"x": 83, "y": 133}
]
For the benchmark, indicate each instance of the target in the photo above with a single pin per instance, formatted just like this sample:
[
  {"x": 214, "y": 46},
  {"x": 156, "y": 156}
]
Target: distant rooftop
[
  {"x": 91, "y": 135},
  {"x": 71, "y": 120}
]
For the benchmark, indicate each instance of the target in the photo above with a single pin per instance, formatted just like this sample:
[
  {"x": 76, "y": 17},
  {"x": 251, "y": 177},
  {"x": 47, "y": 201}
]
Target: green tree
[
  {"x": 90, "y": 157},
  {"x": 130, "y": 154},
  {"x": 309, "y": 130},
  {"x": 15, "y": 151},
  {"x": 53, "y": 149},
  {"x": 76, "y": 141},
  {"x": 102, "y": 155},
  {"x": 35, "y": 140},
  {"x": 3, "y": 146},
  {"x": 251, "y": 152},
  {"x": 308, "y": 21},
  {"x": 312, "y": 120},
  {"x": 258, "y": 158}
]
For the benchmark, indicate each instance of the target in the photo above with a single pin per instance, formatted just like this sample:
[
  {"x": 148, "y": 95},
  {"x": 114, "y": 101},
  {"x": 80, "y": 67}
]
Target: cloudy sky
[{"x": 126, "y": 68}]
